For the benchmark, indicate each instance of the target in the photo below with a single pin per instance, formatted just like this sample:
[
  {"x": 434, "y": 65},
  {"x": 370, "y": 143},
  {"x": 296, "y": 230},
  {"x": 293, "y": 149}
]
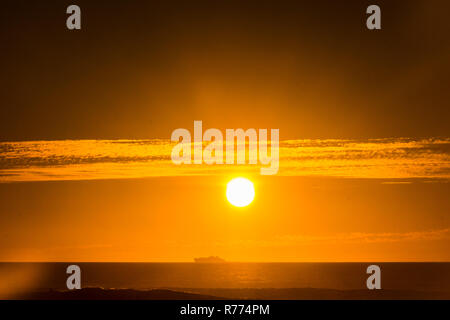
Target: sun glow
[{"x": 240, "y": 192}]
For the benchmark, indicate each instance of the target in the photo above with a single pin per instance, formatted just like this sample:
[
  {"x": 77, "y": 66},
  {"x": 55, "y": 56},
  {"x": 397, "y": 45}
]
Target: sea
[{"x": 244, "y": 280}]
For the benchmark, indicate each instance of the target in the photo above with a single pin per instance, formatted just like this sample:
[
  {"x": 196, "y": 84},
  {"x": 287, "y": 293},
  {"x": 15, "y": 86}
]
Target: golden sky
[
  {"x": 86, "y": 117},
  {"x": 178, "y": 218}
]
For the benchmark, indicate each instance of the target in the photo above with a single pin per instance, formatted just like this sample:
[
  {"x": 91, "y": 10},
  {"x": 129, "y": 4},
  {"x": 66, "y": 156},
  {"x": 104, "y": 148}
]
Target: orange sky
[
  {"x": 139, "y": 69},
  {"x": 86, "y": 117},
  {"x": 176, "y": 219}
]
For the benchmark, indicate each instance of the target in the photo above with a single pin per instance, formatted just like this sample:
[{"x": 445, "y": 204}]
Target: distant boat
[{"x": 210, "y": 259}]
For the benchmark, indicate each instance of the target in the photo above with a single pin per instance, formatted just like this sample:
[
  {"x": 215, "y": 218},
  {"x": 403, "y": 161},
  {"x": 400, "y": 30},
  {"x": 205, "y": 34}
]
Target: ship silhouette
[{"x": 211, "y": 259}]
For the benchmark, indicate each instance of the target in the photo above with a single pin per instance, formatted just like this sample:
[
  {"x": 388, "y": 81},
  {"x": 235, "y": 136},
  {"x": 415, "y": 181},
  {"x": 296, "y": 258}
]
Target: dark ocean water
[{"x": 340, "y": 276}]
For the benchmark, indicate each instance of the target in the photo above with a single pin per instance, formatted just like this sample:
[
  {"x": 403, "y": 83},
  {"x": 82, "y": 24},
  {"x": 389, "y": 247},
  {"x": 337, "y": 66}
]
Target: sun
[{"x": 240, "y": 192}]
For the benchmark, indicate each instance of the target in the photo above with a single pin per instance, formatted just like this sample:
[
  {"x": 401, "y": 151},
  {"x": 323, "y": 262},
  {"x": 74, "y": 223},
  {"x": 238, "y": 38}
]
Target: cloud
[
  {"x": 360, "y": 237},
  {"x": 346, "y": 238},
  {"x": 112, "y": 159}
]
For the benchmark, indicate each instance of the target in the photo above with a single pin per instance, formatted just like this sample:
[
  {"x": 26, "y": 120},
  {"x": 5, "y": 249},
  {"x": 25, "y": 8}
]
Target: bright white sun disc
[{"x": 240, "y": 192}]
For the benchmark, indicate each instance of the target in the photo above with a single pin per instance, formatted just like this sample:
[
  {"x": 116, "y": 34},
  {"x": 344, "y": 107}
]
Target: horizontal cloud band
[{"x": 114, "y": 159}]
